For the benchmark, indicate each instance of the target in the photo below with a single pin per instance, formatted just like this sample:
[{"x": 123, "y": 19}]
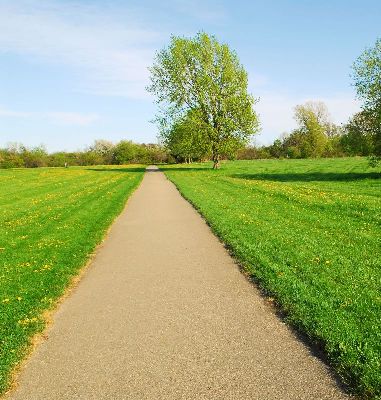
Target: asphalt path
[{"x": 163, "y": 312}]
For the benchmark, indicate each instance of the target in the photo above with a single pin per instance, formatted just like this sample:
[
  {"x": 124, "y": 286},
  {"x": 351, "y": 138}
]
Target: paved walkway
[{"x": 164, "y": 313}]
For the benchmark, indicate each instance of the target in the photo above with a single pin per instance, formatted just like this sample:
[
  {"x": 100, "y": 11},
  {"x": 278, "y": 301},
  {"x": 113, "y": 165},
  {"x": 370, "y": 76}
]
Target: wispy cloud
[
  {"x": 58, "y": 117},
  {"x": 109, "y": 56}
]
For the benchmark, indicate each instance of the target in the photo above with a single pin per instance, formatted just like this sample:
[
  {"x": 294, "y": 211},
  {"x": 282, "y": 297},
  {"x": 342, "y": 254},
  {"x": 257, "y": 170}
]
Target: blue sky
[{"x": 75, "y": 71}]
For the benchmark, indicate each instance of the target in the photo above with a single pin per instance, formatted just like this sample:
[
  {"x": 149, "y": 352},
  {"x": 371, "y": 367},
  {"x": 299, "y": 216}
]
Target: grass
[
  {"x": 51, "y": 219},
  {"x": 309, "y": 232}
]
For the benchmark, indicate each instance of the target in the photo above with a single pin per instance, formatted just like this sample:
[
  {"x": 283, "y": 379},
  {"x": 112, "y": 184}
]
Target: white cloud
[
  {"x": 111, "y": 57},
  {"x": 58, "y": 117}
]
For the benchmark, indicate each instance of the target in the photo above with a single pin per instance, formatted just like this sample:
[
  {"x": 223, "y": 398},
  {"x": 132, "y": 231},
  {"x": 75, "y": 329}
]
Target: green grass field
[
  {"x": 309, "y": 233},
  {"x": 51, "y": 219}
]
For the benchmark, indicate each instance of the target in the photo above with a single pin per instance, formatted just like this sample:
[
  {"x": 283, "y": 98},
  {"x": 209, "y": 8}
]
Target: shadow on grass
[
  {"x": 310, "y": 176},
  {"x": 124, "y": 169},
  {"x": 187, "y": 169},
  {"x": 148, "y": 169}
]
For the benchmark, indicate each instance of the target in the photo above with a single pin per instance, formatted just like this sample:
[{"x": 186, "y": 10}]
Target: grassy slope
[
  {"x": 309, "y": 232},
  {"x": 50, "y": 222}
]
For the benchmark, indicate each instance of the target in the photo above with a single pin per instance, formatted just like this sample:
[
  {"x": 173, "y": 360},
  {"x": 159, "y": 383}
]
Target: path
[{"x": 164, "y": 313}]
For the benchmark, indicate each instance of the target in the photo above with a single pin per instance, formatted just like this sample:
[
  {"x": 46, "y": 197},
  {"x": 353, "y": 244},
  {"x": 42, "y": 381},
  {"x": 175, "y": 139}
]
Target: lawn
[
  {"x": 51, "y": 219},
  {"x": 309, "y": 232}
]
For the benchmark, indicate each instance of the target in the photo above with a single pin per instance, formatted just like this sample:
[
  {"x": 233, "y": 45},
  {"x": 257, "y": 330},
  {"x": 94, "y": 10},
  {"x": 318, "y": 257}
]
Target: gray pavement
[{"x": 164, "y": 313}]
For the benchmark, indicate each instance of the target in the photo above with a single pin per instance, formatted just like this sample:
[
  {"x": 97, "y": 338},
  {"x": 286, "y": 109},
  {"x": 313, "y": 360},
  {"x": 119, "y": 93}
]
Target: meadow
[
  {"x": 309, "y": 233},
  {"x": 51, "y": 220}
]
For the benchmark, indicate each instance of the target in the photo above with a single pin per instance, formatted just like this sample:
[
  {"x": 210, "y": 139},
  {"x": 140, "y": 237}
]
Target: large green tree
[
  {"x": 367, "y": 81},
  {"x": 204, "y": 75}
]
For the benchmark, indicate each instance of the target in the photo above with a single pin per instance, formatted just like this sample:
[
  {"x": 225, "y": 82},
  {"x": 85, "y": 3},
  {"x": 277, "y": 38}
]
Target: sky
[{"x": 73, "y": 71}]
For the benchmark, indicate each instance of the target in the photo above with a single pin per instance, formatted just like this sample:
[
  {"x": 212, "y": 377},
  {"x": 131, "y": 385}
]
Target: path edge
[
  {"x": 48, "y": 315},
  {"x": 314, "y": 347}
]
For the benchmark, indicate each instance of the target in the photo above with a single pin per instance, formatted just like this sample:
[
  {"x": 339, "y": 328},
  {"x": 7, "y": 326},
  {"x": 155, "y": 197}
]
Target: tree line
[
  {"x": 316, "y": 136},
  {"x": 102, "y": 152}
]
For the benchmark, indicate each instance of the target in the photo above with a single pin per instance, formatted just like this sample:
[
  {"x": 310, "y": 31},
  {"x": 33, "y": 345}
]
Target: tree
[
  {"x": 293, "y": 144},
  {"x": 358, "y": 138},
  {"x": 126, "y": 152},
  {"x": 202, "y": 75},
  {"x": 156, "y": 153},
  {"x": 315, "y": 111},
  {"x": 35, "y": 157},
  {"x": 367, "y": 81},
  {"x": 367, "y": 76},
  {"x": 313, "y": 120},
  {"x": 185, "y": 138},
  {"x": 104, "y": 149},
  {"x": 276, "y": 149}
]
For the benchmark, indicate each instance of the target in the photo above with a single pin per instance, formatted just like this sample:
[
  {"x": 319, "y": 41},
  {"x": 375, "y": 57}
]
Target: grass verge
[
  {"x": 51, "y": 220},
  {"x": 309, "y": 232}
]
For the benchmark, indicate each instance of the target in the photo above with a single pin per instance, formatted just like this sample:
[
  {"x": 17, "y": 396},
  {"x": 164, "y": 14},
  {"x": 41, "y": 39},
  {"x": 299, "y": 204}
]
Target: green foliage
[
  {"x": 104, "y": 149},
  {"x": 316, "y": 136},
  {"x": 185, "y": 139},
  {"x": 201, "y": 75},
  {"x": 126, "y": 152},
  {"x": 312, "y": 119},
  {"x": 276, "y": 150},
  {"x": 358, "y": 138},
  {"x": 101, "y": 152},
  {"x": 367, "y": 76},
  {"x": 35, "y": 157},
  {"x": 309, "y": 232},
  {"x": 253, "y": 153},
  {"x": 16, "y": 155},
  {"x": 367, "y": 80},
  {"x": 50, "y": 222}
]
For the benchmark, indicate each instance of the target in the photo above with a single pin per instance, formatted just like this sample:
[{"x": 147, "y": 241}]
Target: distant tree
[
  {"x": 367, "y": 81},
  {"x": 201, "y": 74},
  {"x": 11, "y": 156},
  {"x": 58, "y": 159},
  {"x": 89, "y": 157},
  {"x": 293, "y": 144},
  {"x": 17, "y": 155},
  {"x": 126, "y": 152},
  {"x": 253, "y": 153},
  {"x": 103, "y": 148},
  {"x": 156, "y": 153},
  {"x": 334, "y": 147},
  {"x": 35, "y": 157},
  {"x": 276, "y": 149},
  {"x": 358, "y": 137},
  {"x": 313, "y": 119},
  {"x": 312, "y": 109}
]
